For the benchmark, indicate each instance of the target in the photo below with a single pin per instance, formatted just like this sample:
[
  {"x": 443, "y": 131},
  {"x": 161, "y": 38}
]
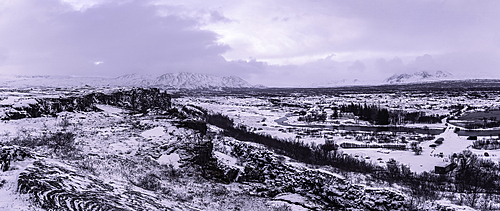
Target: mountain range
[
  {"x": 404, "y": 78},
  {"x": 422, "y": 76},
  {"x": 183, "y": 80}
]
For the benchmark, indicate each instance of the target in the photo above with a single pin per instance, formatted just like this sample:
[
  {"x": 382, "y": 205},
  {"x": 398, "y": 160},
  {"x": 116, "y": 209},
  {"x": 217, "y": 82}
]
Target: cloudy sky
[{"x": 269, "y": 42}]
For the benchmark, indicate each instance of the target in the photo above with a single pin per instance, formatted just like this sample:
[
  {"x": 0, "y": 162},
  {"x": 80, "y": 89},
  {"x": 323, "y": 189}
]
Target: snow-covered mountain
[
  {"x": 422, "y": 76},
  {"x": 196, "y": 80},
  {"x": 181, "y": 80}
]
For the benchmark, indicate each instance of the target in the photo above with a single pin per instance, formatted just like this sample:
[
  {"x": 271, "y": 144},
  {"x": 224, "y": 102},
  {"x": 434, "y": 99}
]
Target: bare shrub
[
  {"x": 416, "y": 148},
  {"x": 149, "y": 182},
  {"x": 89, "y": 165},
  {"x": 283, "y": 207},
  {"x": 60, "y": 142},
  {"x": 171, "y": 172},
  {"x": 24, "y": 139},
  {"x": 219, "y": 191},
  {"x": 64, "y": 123},
  {"x": 184, "y": 197}
]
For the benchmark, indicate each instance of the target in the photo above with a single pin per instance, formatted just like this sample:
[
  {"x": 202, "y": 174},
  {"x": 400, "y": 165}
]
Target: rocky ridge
[
  {"x": 272, "y": 176},
  {"x": 136, "y": 100}
]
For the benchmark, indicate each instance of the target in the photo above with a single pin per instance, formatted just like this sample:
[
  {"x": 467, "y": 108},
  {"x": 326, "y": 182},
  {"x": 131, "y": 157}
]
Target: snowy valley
[{"x": 348, "y": 148}]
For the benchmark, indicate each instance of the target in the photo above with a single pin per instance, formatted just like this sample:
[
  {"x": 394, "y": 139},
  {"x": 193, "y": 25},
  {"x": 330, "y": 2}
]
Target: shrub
[
  {"x": 486, "y": 144},
  {"x": 64, "y": 123},
  {"x": 184, "y": 197},
  {"x": 59, "y": 142},
  {"x": 149, "y": 182},
  {"x": 472, "y": 138},
  {"x": 89, "y": 165},
  {"x": 439, "y": 141},
  {"x": 25, "y": 141},
  {"x": 283, "y": 207},
  {"x": 195, "y": 125},
  {"x": 416, "y": 148},
  {"x": 63, "y": 142},
  {"x": 219, "y": 191}
]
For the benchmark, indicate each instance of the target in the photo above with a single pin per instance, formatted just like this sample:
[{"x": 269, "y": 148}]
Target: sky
[{"x": 268, "y": 42}]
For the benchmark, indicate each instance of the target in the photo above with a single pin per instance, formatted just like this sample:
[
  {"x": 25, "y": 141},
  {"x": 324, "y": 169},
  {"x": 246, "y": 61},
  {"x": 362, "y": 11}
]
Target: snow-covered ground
[
  {"x": 113, "y": 132},
  {"x": 10, "y": 200},
  {"x": 260, "y": 115}
]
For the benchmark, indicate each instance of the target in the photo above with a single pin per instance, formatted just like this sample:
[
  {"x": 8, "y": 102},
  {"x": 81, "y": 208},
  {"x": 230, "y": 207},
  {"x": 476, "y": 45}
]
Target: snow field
[{"x": 259, "y": 115}]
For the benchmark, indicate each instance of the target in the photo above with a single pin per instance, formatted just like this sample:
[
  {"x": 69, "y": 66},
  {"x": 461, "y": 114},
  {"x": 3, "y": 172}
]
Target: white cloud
[
  {"x": 297, "y": 32},
  {"x": 82, "y": 5},
  {"x": 289, "y": 42},
  {"x": 53, "y": 38}
]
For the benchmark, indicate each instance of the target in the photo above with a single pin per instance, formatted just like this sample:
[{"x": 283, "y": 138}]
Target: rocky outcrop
[
  {"x": 270, "y": 175},
  {"x": 56, "y": 186},
  {"x": 138, "y": 100},
  {"x": 9, "y": 154}
]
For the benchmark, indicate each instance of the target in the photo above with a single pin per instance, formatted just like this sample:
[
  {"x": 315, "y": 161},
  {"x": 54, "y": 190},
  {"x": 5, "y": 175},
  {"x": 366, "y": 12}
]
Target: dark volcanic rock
[
  {"x": 9, "y": 154},
  {"x": 56, "y": 186},
  {"x": 138, "y": 100},
  {"x": 270, "y": 176}
]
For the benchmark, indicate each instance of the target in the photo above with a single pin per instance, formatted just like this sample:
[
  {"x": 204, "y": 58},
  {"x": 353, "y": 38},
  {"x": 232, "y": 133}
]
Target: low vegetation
[
  {"x": 383, "y": 116},
  {"x": 129, "y": 171},
  {"x": 61, "y": 143},
  {"x": 473, "y": 180},
  {"x": 487, "y": 144}
]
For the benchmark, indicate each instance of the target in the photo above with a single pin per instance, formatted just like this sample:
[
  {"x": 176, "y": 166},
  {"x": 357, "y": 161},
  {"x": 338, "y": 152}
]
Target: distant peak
[
  {"x": 181, "y": 80},
  {"x": 134, "y": 75},
  {"x": 188, "y": 80},
  {"x": 421, "y": 76}
]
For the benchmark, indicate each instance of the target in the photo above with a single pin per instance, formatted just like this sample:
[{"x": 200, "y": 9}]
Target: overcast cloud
[{"x": 276, "y": 43}]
